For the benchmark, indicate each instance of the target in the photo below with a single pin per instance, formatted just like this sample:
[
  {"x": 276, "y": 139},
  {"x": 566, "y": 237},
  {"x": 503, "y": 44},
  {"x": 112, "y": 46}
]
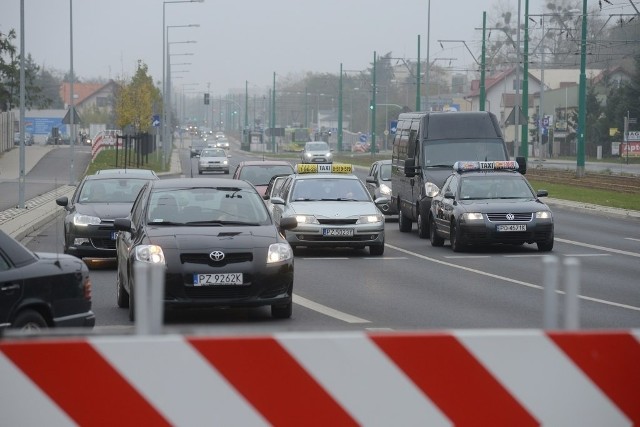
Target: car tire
[
  {"x": 282, "y": 311},
  {"x": 435, "y": 238},
  {"x": 132, "y": 305},
  {"x": 29, "y": 320},
  {"x": 122, "y": 295},
  {"x": 404, "y": 223},
  {"x": 199, "y": 172},
  {"x": 454, "y": 238},
  {"x": 423, "y": 225},
  {"x": 546, "y": 246},
  {"x": 376, "y": 250}
]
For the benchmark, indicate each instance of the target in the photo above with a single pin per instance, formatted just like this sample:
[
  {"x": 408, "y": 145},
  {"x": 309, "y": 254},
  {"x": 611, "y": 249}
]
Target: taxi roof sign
[
  {"x": 324, "y": 168},
  {"x": 471, "y": 166}
]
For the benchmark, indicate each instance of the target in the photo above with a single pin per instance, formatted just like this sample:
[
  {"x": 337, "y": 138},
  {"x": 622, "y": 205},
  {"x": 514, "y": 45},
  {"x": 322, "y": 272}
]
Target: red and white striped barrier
[{"x": 388, "y": 379}]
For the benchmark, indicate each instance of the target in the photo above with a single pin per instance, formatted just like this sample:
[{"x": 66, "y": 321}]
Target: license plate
[
  {"x": 340, "y": 232},
  {"x": 512, "y": 227},
  {"x": 217, "y": 279},
  {"x": 114, "y": 235}
]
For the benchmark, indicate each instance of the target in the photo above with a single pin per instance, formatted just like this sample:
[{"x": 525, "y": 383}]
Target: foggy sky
[{"x": 248, "y": 40}]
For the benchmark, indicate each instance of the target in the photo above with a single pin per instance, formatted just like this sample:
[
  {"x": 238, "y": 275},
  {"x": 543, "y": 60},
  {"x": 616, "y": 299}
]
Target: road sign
[
  {"x": 393, "y": 126},
  {"x": 67, "y": 118},
  {"x": 363, "y": 137},
  {"x": 155, "y": 120}
]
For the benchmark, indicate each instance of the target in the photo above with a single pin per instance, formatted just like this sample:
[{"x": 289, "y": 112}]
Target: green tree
[
  {"x": 135, "y": 101},
  {"x": 10, "y": 76}
]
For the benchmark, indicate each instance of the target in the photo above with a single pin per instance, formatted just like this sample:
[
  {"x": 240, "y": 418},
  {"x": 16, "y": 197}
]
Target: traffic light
[{"x": 206, "y": 99}]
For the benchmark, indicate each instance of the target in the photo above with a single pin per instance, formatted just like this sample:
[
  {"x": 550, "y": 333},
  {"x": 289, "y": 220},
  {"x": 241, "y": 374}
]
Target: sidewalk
[{"x": 42, "y": 209}]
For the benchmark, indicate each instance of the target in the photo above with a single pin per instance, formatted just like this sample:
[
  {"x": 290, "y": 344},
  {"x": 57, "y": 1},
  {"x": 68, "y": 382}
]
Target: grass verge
[{"x": 106, "y": 159}]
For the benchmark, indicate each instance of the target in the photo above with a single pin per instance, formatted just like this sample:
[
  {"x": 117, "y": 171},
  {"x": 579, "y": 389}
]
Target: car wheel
[
  {"x": 404, "y": 223},
  {"x": 121, "y": 294},
  {"x": 199, "y": 172},
  {"x": 29, "y": 320},
  {"x": 423, "y": 226},
  {"x": 454, "y": 237},
  {"x": 132, "y": 304},
  {"x": 376, "y": 250},
  {"x": 282, "y": 311},
  {"x": 545, "y": 246},
  {"x": 436, "y": 240}
]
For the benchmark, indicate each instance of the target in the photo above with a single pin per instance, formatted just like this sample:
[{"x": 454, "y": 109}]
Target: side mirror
[
  {"x": 62, "y": 201},
  {"x": 381, "y": 201},
  {"x": 277, "y": 201},
  {"x": 410, "y": 167},
  {"x": 288, "y": 223},
  {"x": 371, "y": 180},
  {"x": 542, "y": 193},
  {"x": 122, "y": 224},
  {"x": 449, "y": 195}
]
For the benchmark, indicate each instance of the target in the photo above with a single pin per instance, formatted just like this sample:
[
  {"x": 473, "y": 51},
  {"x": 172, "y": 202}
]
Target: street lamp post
[
  {"x": 167, "y": 93},
  {"x": 164, "y": 70},
  {"x": 582, "y": 95}
]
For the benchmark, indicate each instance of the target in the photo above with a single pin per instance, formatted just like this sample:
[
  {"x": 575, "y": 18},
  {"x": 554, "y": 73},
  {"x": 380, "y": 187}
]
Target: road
[{"x": 416, "y": 286}]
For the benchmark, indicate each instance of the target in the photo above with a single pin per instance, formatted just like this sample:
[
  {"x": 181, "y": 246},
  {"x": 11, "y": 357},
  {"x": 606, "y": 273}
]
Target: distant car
[
  {"x": 259, "y": 173},
  {"x": 28, "y": 138},
  {"x": 197, "y": 146},
  {"x": 97, "y": 201},
  {"x": 332, "y": 208},
  {"x": 219, "y": 134},
  {"x": 379, "y": 184},
  {"x": 485, "y": 203},
  {"x": 213, "y": 160},
  {"x": 40, "y": 290},
  {"x": 222, "y": 143},
  {"x": 216, "y": 241},
  {"x": 316, "y": 152}
]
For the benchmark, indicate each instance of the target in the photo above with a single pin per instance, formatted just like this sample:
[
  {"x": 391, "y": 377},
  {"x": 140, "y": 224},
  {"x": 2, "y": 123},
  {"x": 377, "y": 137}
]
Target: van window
[{"x": 447, "y": 152}]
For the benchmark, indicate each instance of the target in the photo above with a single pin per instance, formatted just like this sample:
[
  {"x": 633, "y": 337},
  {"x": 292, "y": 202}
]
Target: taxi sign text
[
  {"x": 324, "y": 168},
  {"x": 466, "y": 166}
]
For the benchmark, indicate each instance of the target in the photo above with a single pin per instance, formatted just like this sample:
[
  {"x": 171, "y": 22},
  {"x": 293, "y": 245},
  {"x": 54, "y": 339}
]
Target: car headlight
[
  {"x": 279, "y": 252},
  {"x": 149, "y": 253},
  {"x": 308, "y": 155},
  {"x": 471, "y": 216},
  {"x": 306, "y": 219},
  {"x": 543, "y": 215},
  {"x": 84, "y": 220},
  {"x": 328, "y": 155},
  {"x": 385, "y": 189},
  {"x": 370, "y": 219},
  {"x": 430, "y": 189},
  {"x": 225, "y": 162}
]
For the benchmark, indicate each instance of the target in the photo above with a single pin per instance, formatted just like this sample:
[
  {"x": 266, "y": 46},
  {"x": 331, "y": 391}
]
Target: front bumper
[
  {"x": 311, "y": 235},
  {"x": 486, "y": 233},
  {"x": 92, "y": 241},
  {"x": 213, "y": 168}
]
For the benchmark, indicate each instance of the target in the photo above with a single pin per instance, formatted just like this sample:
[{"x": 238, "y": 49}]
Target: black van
[{"x": 425, "y": 147}]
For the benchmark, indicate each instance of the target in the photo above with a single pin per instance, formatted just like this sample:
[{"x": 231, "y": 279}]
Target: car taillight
[{"x": 86, "y": 287}]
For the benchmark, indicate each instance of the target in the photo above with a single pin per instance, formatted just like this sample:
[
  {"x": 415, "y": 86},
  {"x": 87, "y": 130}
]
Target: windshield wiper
[
  {"x": 221, "y": 223},
  {"x": 439, "y": 166},
  {"x": 162, "y": 222}
]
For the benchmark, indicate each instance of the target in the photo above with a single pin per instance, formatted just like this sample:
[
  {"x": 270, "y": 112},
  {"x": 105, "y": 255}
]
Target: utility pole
[
  {"x": 483, "y": 65},
  {"x": 245, "y": 132},
  {"x": 582, "y": 96},
  {"x": 373, "y": 108},
  {"x": 273, "y": 114},
  {"x": 427, "y": 82},
  {"x": 418, "y": 88},
  {"x": 340, "y": 112},
  {"x": 516, "y": 113},
  {"x": 524, "y": 148}
]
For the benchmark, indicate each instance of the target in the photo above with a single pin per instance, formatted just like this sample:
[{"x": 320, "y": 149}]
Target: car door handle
[{"x": 8, "y": 288}]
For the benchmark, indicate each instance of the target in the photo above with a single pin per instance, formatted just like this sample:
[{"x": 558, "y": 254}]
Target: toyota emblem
[
  {"x": 510, "y": 217},
  {"x": 216, "y": 255}
]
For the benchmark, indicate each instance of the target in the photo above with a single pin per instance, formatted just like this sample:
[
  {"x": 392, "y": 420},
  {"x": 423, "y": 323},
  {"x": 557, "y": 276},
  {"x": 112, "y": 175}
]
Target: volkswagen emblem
[
  {"x": 510, "y": 217},
  {"x": 216, "y": 255}
]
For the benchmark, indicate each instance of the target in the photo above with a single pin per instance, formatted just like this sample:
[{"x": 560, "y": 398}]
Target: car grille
[
  {"x": 204, "y": 292},
  {"x": 496, "y": 217},
  {"x": 103, "y": 243},
  {"x": 541, "y": 232},
  {"x": 203, "y": 258},
  {"x": 337, "y": 221}
]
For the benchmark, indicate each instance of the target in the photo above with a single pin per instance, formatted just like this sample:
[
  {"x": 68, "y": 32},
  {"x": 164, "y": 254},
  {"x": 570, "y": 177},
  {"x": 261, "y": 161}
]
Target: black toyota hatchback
[
  {"x": 217, "y": 241},
  {"x": 97, "y": 201}
]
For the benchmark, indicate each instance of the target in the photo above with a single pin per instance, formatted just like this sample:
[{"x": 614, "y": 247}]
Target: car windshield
[
  {"x": 115, "y": 190},
  {"x": 494, "y": 187},
  {"x": 385, "y": 171},
  {"x": 261, "y": 175},
  {"x": 445, "y": 153},
  {"x": 213, "y": 153},
  {"x": 329, "y": 189},
  {"x": 207, "y": 206},
  {"x": 317, "y": 146}
]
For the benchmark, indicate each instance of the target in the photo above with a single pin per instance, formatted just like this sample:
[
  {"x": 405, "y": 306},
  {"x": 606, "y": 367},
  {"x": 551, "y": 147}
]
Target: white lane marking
[
  {"x": 324, "y": 258},
  {"x": 584, "y": 255},
  {"x": 508, "y": 279},
  {"x": 466, "y": 256},
  {"x": 327, "y": 311},
  {"x": 631, "y": 238},
  {"x": 385, "y": 258},
  {"x": 602, "y": 248},
  {"x": 525, "y": 256}
]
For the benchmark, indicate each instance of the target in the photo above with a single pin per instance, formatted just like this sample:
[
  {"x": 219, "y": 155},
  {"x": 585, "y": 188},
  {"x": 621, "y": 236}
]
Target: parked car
[
  {"x": 28, "y": 138},
  {"x": 41, "y": 290},
  {"x": 217, "y": 243},
  {"x": 259, "y": 173},
  {"x": 97, "y": 201}
]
